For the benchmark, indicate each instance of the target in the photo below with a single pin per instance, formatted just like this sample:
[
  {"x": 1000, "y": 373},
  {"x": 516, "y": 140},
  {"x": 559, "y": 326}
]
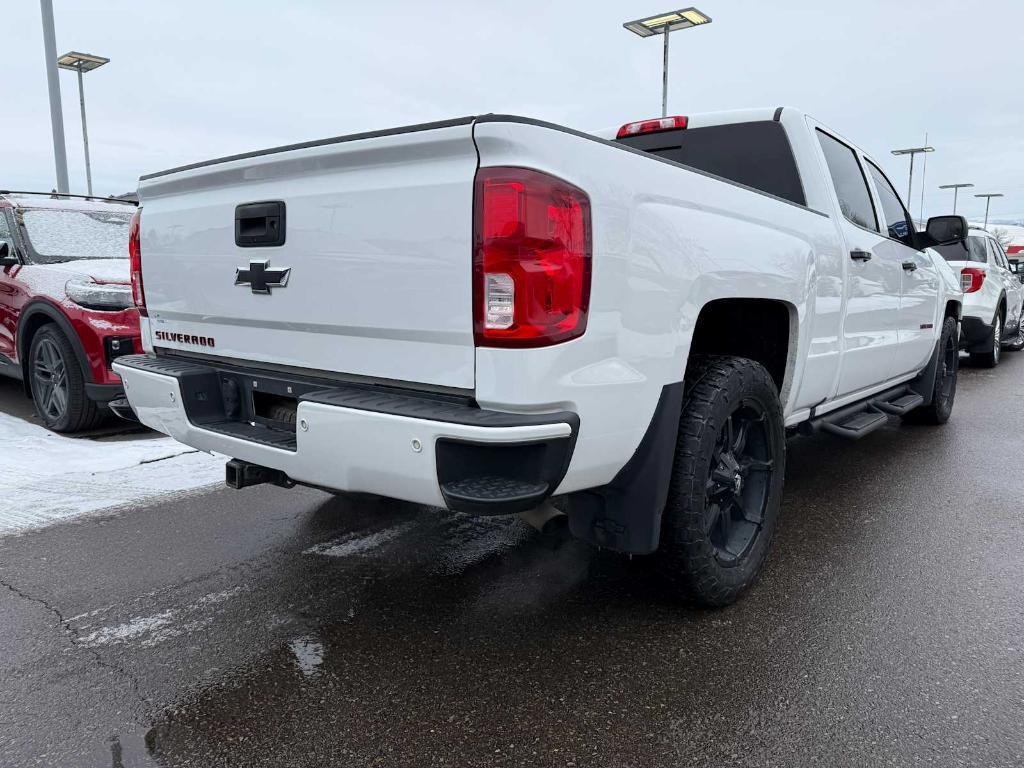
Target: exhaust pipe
[
  {"x": 546, "y": 518},
  {"x": 241, "y": 474}
]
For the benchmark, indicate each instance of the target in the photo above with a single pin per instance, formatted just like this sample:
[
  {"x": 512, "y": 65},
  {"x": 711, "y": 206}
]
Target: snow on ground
[{"x": 50, "y": 478}]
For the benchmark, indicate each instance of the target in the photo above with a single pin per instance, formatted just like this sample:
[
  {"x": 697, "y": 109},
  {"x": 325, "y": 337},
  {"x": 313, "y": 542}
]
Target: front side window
[
  {"x": 850, "y": 184},
  {"x": 897, "y": 220},
  {"x": 974, "y": 250},
  {"x": 56, "y": 235}
]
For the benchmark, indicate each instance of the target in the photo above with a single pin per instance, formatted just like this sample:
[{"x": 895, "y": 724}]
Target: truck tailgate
[{"x": 377, "y": 241}]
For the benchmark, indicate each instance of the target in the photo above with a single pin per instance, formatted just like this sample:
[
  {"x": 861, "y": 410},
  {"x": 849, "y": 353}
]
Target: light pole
[
  {"x": 956, "y": 188},
  {"x": 988, "y": 200},
  {"x": 663, "y": 24},
  {"x": 60, "y": 157},
  {"x": 81, "y": 63},
  {"x": 912, "y": 151}
]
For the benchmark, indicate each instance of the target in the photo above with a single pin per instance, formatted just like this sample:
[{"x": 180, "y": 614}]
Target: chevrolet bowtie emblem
[{"x": 261, "y": 278}]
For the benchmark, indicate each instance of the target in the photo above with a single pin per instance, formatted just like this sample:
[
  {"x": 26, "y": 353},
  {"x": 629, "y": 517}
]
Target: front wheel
[
  {"x": 58, "y": 384},
  {"x": 727, "y": 480},
  {"x": 948, "y": 366}
]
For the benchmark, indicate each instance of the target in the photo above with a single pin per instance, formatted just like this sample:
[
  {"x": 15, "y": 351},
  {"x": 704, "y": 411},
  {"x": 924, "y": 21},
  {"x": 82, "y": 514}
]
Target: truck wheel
[
  {"x": 58, "y": 384},
  {"x": 727, "y": 479},
  {"x": 941, "y": 407},
  {"x": 990, "y": 357}
]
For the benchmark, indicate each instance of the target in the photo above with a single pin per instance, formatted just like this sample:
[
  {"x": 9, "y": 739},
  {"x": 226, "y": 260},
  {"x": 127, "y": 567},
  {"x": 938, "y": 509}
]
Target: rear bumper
[
  {"x": 975, "y": 334},
  {"x": 411, "y": 446}
]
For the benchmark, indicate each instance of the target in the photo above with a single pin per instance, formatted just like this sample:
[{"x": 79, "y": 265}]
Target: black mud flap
[{"x": 625, "y": 515}]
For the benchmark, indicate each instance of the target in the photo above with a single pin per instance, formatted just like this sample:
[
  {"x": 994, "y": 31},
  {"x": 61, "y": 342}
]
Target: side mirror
[
  {"x": 944, "y": 230},
  {"x": 6, "y": 259}
]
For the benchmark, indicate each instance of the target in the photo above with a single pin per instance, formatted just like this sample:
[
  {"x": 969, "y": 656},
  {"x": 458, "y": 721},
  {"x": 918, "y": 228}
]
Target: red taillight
[
  {"x": 531, "y": 263},
  {"x": 971, "y": 279},
  {"x": 651, "y": 126},
  {"x": 135, "y": 262}
]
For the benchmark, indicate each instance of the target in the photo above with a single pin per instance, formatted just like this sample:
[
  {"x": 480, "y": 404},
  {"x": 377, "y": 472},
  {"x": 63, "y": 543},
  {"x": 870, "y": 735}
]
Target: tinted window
[
  {"x": 973, "y": 251},
  {"x": 897, "y": 221},
  {"x": 848, "y": 178},
  {"x": 997, "y": 254},
  {"x": 755, "y": 154}
]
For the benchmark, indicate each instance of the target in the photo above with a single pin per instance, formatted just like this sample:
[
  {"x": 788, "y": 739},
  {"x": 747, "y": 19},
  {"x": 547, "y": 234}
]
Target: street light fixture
[
  {"x": 956, "y": 188},
  {"x": 912, "y": 151},
  {"x": 81, "y": 63},
  {"x": 988, "y": 200},
  {"x": 663, "y": 24}
]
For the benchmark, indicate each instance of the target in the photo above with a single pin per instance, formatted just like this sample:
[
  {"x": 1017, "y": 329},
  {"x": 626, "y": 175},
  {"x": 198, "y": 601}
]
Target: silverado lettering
[{"x": 184, "y": 338}]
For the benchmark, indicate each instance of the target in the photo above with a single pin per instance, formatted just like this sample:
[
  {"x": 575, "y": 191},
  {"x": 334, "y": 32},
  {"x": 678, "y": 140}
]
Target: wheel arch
[
  {"x": 722, "y": 328},
  {"x": 35, "y": 316}
]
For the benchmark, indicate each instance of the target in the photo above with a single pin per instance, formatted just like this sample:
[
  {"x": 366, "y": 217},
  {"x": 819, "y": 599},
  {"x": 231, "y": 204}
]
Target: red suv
[{"x": 66, "y": 309}]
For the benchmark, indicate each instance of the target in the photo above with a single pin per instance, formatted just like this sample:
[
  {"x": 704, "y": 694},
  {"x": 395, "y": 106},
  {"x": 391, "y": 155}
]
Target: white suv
[{"x": 992, "y": 297}]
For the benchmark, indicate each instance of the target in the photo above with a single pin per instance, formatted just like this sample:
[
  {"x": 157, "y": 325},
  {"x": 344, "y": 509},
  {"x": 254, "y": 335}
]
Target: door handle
[
  {"x": 259, "y": 225},
  {"x": 910, "y": 266},
  {"x": 858, "y": 255}
]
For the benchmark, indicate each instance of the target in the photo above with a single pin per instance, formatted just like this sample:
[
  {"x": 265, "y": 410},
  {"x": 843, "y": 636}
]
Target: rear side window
[
  {"x": 997, "y": 254},
  {"x": 897, "y": 220},
  {"x": 754, "y": 154},
  {"x": 848, "y": 179},
  {"x": 973, "y": 251}
]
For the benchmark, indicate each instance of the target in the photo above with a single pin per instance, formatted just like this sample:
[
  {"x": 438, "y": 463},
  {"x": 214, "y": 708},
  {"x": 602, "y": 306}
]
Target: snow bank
[{"x": 49, "y": 478}]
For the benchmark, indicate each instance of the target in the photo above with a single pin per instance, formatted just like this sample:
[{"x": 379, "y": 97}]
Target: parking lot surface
[{"x": 269, "y": 627}]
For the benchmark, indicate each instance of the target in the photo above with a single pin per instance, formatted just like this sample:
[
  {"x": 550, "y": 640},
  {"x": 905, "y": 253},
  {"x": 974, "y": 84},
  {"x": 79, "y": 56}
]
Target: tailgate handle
[{"x": 259, "y": 225}]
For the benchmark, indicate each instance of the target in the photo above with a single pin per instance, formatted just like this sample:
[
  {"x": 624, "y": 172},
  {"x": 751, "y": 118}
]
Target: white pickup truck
[{"x": 484, "y": 313}]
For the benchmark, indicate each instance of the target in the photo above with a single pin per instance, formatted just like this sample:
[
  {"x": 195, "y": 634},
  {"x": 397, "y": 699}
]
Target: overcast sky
[{"x": 192, "y": 80}]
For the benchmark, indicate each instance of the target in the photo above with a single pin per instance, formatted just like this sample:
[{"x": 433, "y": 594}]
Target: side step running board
[
  {"x": 857, "y": 425},
  {"x": 901, "y": 406},
  {"x": 855, "y": 421}
]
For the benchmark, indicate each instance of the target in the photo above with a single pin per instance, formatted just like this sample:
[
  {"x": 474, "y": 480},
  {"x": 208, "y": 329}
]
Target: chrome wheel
[
  {"x": 997, "y": 336},
  {"x": 50, "y": 379}
]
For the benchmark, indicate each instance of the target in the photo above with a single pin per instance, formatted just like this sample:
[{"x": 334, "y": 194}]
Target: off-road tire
[
  {"x": 716, "y": 388},
  {"x": 79, "y": 413},
  {"x": 941, "y": 406},
  {"x": 990, "y": 358}
]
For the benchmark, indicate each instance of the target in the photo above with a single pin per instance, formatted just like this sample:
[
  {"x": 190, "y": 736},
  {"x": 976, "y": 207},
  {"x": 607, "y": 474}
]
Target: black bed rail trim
[{"x": 317, "y": 143}]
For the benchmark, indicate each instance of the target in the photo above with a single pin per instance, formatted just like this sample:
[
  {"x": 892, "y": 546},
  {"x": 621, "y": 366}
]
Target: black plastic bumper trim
[
  {"x": 975, "y": 334},
  {"x": 104, "y": 393},
  {"x": 122, "y": 409}
]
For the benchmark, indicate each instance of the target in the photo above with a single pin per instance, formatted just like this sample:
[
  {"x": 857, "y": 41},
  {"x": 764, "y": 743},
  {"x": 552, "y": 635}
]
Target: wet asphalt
[{"x": 289, "y": 628}]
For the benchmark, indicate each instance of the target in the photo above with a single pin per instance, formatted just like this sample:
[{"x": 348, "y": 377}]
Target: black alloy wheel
[{"x": 738, "y": 484}]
